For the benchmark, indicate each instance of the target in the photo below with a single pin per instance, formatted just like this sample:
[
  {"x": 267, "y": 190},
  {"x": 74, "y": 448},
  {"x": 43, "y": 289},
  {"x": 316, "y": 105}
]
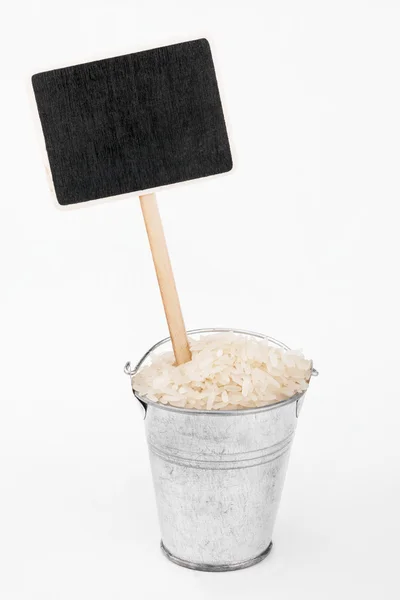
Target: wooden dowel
[{"x": 165, "y": 277}]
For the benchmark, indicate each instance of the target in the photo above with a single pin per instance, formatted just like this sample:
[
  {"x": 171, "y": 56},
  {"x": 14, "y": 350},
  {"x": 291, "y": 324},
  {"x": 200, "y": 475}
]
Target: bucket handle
[
  {"x": 131, "y": 373},
  {"x": 299, "y": 401}
]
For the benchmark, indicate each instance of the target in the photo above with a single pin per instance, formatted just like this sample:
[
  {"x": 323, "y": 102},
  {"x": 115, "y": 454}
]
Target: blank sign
[{"x": 133, "y": 122}]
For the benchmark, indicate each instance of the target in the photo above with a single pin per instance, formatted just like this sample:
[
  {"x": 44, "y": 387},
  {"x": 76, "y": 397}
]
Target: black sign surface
[{"x": 133, "y": 122}]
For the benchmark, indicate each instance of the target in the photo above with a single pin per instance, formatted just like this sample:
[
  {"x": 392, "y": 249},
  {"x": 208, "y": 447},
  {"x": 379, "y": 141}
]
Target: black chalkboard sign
[{"x": 133, "y": 122}]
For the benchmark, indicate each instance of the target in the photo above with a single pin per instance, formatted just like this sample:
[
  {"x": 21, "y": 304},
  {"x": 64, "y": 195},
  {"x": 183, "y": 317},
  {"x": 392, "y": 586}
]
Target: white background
[{"x": 299, "y": 241}]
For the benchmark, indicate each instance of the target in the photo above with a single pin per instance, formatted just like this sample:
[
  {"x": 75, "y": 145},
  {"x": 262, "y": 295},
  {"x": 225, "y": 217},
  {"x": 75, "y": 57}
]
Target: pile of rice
[{"x": 228, "y": 371}]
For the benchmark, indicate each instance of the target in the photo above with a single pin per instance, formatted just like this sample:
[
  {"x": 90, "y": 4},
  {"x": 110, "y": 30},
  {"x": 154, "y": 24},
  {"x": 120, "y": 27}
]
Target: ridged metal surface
[
  {"x": 218, "y": 481},
  {"x": 218, "y": 478},
  {"x": 215, "y": 568}
]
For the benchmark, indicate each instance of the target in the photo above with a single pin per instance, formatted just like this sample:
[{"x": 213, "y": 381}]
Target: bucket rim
[{"x": 219, "y": 412}]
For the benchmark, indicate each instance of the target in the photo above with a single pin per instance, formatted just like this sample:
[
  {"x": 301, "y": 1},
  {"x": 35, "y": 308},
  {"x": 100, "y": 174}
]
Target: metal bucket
[{"x": 218, "y": 475}]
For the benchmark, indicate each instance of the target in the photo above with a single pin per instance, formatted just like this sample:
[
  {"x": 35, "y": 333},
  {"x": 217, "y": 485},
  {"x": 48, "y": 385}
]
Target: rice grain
[{"x": 228, "y": 371}]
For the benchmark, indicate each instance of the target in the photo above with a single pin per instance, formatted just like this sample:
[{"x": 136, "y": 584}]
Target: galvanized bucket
[{"x": 218, "y": 475}]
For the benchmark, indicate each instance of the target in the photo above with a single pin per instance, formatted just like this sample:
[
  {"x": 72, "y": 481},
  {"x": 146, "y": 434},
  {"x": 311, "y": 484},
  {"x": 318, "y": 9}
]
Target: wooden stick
[{"x": 165, "y": 277}]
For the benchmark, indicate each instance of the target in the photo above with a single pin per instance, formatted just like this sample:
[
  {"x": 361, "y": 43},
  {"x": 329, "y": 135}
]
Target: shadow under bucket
[{"x": 218, "y": 475}]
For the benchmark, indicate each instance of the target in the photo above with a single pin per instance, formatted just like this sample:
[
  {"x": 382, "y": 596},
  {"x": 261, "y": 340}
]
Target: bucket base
[{"x": 214, "y": 568}]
